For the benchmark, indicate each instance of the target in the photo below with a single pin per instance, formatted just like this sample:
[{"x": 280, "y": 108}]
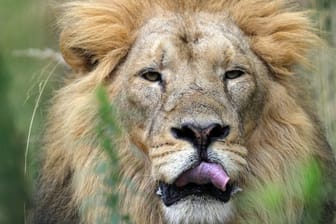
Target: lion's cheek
[
  {"x": 144, "y": 96},
  {"x": 142, "y": 100},
  {"x": 241, "y": 91},
  {"x": 247, "y": 101},
  {"x": 167, "y": 162},
  {"x": 233, "y": 157}
]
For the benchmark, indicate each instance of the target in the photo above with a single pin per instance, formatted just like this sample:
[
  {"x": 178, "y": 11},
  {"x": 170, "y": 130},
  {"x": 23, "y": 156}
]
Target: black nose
[{"x": 201, "y": 137}]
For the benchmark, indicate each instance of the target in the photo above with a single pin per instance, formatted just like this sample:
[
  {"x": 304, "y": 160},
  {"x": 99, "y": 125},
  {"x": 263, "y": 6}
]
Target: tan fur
[{"x": 102, "y": 41}]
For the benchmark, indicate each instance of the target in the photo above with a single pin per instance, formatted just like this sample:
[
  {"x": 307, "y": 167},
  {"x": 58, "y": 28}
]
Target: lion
[{"x": 211, "y": 107}]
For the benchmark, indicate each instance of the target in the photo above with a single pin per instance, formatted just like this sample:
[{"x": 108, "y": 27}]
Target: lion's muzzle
[{"x": 205, "y": 179}]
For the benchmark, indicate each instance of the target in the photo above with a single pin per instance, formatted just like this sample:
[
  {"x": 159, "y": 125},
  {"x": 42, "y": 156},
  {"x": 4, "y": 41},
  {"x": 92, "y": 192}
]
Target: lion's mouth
[{"x": 206, "y": 179}]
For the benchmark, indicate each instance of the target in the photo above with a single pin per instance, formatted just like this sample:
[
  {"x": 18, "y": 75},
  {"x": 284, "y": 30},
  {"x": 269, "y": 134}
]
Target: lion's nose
[{"x": 201, "y": 137}]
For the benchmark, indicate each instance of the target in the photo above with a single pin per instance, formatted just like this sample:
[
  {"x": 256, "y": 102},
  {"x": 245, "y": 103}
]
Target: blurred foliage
[
  {"x": 307, "y": 187},
  {"x": 24, "y": 25},
  {"x": 12, "y": 192},
  {"x": 324, "y": 76},
  {"x": 30, "y": 24},
  {"x": 108, "y": 131}
]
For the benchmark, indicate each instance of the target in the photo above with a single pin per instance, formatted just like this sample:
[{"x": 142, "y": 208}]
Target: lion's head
[
  {"x": 195, "y": 91},
  {"x": 207, "y": 98}
]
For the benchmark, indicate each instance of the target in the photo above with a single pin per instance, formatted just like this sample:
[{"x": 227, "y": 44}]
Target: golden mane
[{"x": 109, "y": 27}]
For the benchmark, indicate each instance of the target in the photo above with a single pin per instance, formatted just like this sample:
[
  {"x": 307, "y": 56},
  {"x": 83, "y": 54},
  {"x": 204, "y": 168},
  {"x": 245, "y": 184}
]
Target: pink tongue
[{"x": 205, "y": 173}]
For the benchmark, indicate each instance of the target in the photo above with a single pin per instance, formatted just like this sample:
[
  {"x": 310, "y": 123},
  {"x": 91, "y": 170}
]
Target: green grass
[
  {"x": 108, "y": 131},
  {"x": 324, "y": 79},
  {"x": 307, "y": 187}
]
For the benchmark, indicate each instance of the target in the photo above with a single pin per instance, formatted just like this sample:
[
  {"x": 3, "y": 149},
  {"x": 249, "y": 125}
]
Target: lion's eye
[
  {"x": 152, "y": 76},
  {"x": 233, "y": 74}
]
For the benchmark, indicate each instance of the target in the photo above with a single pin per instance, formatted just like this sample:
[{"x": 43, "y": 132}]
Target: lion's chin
[
  {"x": 194, "y": 209},
  {"x": 171, "y": 194}
]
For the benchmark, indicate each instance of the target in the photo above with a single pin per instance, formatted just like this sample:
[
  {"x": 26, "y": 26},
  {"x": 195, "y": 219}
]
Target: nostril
[
  {"x": 216, "y": 131},
  {"x": 177, "y": 133},
  {"x": 187, "y": 132}
]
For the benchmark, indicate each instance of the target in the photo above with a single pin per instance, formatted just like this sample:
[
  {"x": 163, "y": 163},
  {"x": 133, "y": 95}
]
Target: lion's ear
[
  {"x": 94, "y": 31},
  {"x": 81, "y": 60}
]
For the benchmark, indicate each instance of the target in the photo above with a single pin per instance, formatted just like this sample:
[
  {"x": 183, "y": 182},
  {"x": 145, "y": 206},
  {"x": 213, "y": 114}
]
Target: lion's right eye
[
  {"x": 233, "y": 74},
  {"x": 151, "y": 76}
]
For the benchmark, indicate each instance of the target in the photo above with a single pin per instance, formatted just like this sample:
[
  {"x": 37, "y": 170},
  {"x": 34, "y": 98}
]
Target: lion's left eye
[
  {"x": 233, "y": 74},
  {"x": 152, "y": 76}
]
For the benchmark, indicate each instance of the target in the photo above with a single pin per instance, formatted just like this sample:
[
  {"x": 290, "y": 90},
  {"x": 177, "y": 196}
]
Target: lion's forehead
[{"x": 206, "y": 38}]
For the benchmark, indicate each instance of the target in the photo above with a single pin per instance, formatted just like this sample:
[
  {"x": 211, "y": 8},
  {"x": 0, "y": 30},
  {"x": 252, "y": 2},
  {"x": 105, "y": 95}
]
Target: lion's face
[{"x": 192, "y": 95}]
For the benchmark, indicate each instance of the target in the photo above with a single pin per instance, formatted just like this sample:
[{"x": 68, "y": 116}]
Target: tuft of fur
[{"x": 97, "y": 35}]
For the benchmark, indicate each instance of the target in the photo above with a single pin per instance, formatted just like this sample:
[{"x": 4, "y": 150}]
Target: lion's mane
[{"x": 97, "y": 35}]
